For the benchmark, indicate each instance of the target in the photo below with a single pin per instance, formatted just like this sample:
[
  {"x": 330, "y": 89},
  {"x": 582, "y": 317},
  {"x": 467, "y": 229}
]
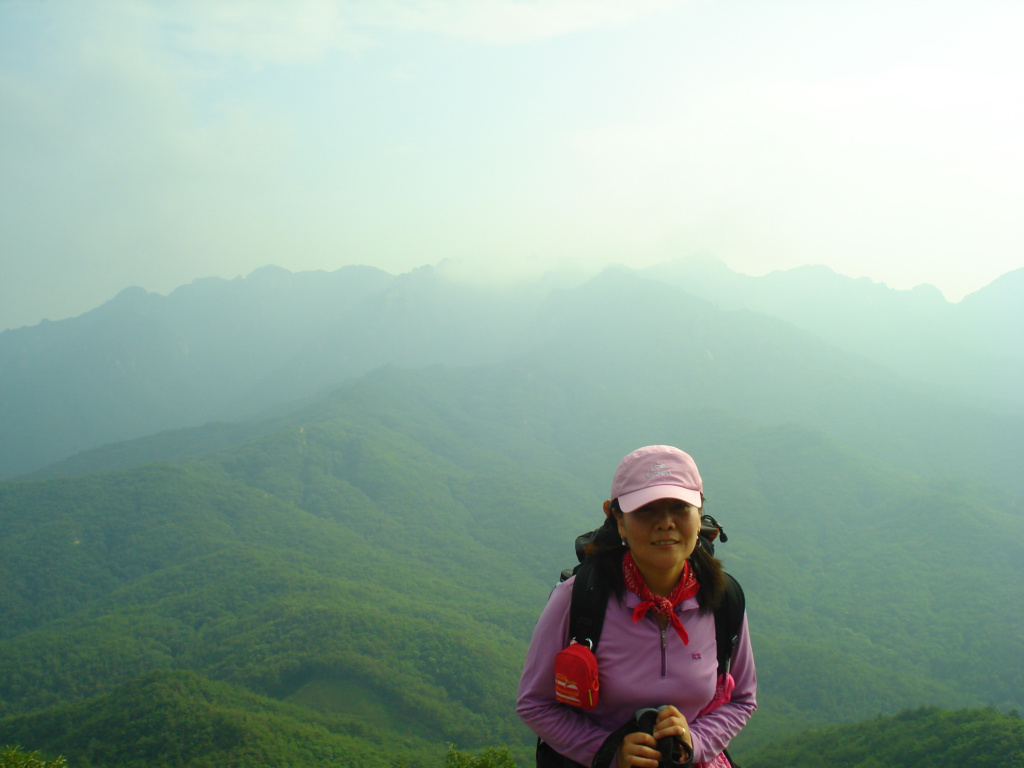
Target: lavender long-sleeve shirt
[{"x": 638, "y": 666}]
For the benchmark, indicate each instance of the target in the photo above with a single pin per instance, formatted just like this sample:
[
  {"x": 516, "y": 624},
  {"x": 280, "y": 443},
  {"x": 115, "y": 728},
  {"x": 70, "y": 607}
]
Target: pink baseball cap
[{"x": 656, "y": 472}]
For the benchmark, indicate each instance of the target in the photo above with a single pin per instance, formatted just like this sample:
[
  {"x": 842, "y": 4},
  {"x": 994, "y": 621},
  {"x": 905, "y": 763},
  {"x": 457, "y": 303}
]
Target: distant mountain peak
[
  {"x": 131, "y": 293},
  {"x": 129, "y": 299},
  {"x": 698, "y": 262},
  {"x": 928, "y": 291},
  {"x": 269, "y": 272},
  {"x": 1009, "y": 285}
]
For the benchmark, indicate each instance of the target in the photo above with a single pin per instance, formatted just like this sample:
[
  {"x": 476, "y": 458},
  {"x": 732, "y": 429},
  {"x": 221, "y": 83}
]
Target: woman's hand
[
  {"x": 641, "y": 749},
  {"x": 671, "y": 722}
]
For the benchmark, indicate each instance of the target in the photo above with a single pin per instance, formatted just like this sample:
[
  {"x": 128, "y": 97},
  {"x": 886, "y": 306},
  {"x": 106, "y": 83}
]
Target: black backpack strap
[
  {"x": 586, "y": 619},
  {"x": 728, "y": 619},
  {"x": 589, "y": 601}
]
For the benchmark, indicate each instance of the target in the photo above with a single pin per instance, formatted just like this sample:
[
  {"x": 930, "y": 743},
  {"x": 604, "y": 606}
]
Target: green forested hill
[
  {"x": 387, "y": 550},
  {"x": 169, "y": 567},
  {"x": 922, "y": 738},
  {"x": 178, "y": 718}
]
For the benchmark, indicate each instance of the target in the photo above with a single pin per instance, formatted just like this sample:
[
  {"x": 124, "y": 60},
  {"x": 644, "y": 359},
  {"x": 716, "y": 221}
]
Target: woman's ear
[{"x": 613, "y": 512}]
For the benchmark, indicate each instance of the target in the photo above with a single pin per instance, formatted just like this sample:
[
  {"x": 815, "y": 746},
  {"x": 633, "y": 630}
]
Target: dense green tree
[
  {"x": 14, "y": 757},
  {"x": 921, "y": 738},
  {"x": 489, "y": 757}
]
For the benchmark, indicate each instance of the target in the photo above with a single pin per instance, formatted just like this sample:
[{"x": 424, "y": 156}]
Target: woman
[{"x": 658, "y": 644}]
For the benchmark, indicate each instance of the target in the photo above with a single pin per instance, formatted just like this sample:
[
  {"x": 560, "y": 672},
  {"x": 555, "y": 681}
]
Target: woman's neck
[{"x": 661, "y": 583}]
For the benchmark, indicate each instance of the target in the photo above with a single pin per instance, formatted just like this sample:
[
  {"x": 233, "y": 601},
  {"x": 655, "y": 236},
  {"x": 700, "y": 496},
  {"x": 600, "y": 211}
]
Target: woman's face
[{"x": 661, "y": 535}]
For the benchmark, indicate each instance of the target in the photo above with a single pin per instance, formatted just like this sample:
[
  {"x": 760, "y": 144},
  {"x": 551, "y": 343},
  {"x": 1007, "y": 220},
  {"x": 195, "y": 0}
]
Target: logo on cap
[{"x": 659, "y": 470}]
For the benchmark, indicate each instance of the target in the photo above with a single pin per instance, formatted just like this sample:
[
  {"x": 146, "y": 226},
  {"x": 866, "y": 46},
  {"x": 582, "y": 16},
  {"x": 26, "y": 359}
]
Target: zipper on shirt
[{"x": 664, "y": 660}]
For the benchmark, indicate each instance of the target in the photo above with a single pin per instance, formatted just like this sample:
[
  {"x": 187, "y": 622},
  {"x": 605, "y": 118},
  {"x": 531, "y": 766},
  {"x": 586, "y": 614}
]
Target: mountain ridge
[
  {"x": 220, "y": 350},
  {"x": 969, "y": 347}
]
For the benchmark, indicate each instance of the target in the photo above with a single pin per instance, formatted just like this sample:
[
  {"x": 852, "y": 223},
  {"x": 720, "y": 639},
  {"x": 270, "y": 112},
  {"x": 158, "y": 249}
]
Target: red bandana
[{"x": 686, "y": 588}]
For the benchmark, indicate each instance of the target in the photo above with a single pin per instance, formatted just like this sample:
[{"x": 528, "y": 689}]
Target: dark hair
[{"x": 606, "y": 552}]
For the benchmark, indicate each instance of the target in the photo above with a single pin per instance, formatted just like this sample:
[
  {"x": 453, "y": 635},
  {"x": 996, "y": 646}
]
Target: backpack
[{"x": 590, "y": 600}]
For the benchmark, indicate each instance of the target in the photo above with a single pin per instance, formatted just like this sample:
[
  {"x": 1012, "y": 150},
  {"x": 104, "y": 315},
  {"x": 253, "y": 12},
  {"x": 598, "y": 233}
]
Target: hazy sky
[{"x": 150, "y": 143}]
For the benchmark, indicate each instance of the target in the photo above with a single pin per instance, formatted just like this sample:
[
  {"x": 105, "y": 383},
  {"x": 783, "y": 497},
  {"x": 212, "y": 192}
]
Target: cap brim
[{"x": 629, "y": 502}]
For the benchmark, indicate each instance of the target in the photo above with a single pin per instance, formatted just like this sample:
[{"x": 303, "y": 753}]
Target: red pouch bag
[{"x": 576, "y": 676}]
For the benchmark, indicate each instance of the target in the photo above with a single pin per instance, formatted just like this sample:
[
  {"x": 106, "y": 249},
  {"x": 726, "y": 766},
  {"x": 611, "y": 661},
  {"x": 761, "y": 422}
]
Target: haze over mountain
[
  {"x": 218, "y": 350},
  {"x": 973, "y": 347}
]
